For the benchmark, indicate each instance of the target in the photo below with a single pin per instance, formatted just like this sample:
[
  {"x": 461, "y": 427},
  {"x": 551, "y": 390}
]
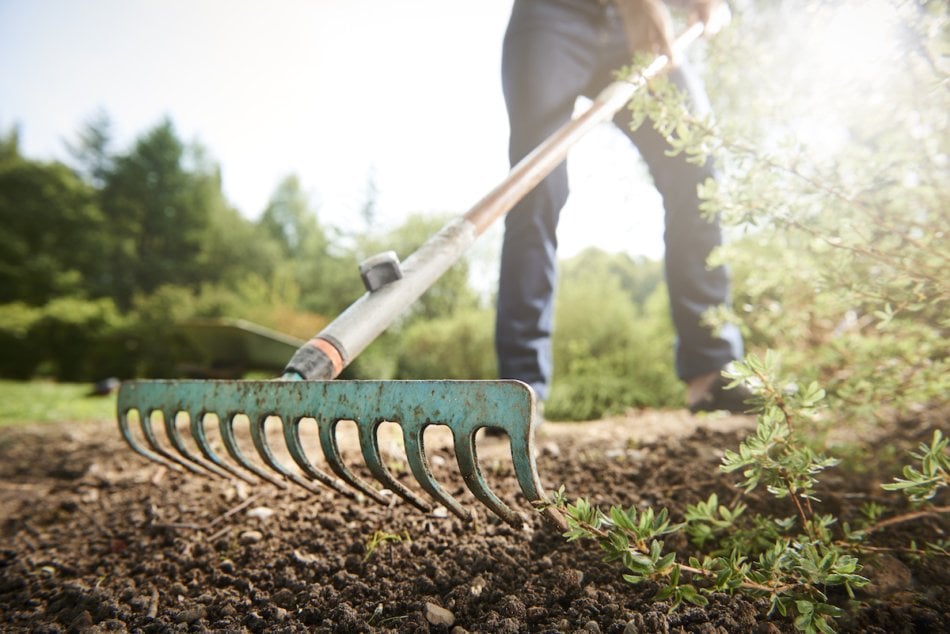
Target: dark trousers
[{"x": 555, "y": 50}]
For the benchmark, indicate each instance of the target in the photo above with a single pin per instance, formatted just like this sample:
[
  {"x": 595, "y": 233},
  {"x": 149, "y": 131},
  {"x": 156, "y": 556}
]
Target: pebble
[
  {"x": 591, "y": 627},
  {"x": 251, "y": 537},
  {"x": 260, "y": 512},
  {"x": 478, "y": 584},
  {"x": 305, "y": 558},
  {"x": 437, "y": 615}
]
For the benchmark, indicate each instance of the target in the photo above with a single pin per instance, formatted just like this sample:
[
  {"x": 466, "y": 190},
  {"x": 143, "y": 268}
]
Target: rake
[{"x": 307, "y": 390}]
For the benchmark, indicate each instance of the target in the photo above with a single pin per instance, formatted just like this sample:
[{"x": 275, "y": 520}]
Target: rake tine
[
  {"x": 171, "y": 430},
  {"x": 369, "y": 442},
  {"x": 198, "y": 433},
  {"x": 295, "y": 447},
  {"x": 230, "y": 443},
  {"x": 260, "y": 442},
  {"x": 138, "y": 448},
  {"x": 332, "y": 453},
  {"x": 415, "y": 452},
  {"x": 153, "y": 441},
  {"x": 526, "y": 470},
  {"x": 472, "y": 474}
]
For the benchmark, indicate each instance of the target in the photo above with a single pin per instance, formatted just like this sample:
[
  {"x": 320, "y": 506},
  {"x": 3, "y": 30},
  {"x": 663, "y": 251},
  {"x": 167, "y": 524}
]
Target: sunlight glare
[
  {"x": 857, "y": 39},
  {"x": 847, "y": 54}
]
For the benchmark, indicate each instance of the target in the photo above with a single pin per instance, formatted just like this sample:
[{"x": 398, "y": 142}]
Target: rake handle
[{"x": 325, "y": 355}]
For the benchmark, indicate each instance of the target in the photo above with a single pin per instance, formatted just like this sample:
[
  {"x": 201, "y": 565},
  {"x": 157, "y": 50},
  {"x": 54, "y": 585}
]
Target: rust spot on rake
[{"x": 462, "y": 406}]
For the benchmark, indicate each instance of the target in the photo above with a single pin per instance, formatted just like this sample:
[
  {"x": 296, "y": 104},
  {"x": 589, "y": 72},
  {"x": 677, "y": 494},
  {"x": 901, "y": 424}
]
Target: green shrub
[
  {"x": 456, "y": 347},
  {"x": 20, "y": 355},
  {"x": 610, "y": 353}
]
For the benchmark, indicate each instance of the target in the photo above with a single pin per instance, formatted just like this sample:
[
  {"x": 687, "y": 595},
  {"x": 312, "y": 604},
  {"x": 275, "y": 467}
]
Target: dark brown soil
[{"x": 95, "y": 538}]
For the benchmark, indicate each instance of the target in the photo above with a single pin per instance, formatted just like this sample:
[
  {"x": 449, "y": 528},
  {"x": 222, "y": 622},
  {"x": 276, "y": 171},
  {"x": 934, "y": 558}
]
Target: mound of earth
[{"x": 96, "y": 538}]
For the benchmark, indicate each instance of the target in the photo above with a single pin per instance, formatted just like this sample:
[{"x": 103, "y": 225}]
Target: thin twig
[
  {"x": 908, "y": 517},
  {"x": 237, "y": 509}
]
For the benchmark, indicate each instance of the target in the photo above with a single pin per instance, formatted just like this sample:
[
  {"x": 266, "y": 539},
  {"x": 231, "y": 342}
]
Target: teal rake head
[
  {"x": 462, "y": 406},
  {"x": 309, "y": 391}
]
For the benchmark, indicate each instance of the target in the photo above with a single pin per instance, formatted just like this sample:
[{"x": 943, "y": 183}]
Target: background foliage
[
  {"x": 834, "y": 182},
  {"x": 100, "y": 260}
]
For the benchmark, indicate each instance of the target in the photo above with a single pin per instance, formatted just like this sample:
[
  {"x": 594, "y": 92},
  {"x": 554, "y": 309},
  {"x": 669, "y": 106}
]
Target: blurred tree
[
  {"x": 289, "y": 220},
  {"x": 168, "y": 218},
  {"x": 92, "y": 150},
  {"x": 52, "y": 233},
  {"x": 324, "y": 272}
]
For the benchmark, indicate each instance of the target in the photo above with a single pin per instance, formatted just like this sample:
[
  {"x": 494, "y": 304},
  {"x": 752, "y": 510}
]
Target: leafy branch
[{"x": 921, "y": 484}]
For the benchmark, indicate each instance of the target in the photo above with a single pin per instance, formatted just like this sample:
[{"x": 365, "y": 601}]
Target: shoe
[{"x": 717, "y": 398}]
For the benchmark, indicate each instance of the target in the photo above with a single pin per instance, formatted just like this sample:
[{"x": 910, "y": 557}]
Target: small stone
[
  {"x": 478, "y": 584},
  {"x": 440, "y": 512},
  {"x": 592, "y": 627},
  {"x": 251, "y": 537},
  {"x": 551, "y": 449},
  {"x": 260, "y": 512},
  {"x": 437, "y": 615},
  {"x": 227, "y": 567},
  {"x": 305, "y": 558},
  {"x": 458, "y": 629}
]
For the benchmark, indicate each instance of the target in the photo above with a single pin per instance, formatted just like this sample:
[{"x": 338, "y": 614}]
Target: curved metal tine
[
  {"x": 198, "y": 433},
  {"x": 369, "y": 442},
  {"x": 226, "y": 425},
  {"x": 258, "y": 436},
  {"x": 526, "y": 470},
  {"x": 171, "y": 430},
  {"x": 332, "y": 453},
  {"x": 472, "y": 474},
  {"x": 295, "y": 447},
  {"x": 137, "y": 446},
  {"x": 413, "y": 439},
  {"x": 153, "y": 442}
]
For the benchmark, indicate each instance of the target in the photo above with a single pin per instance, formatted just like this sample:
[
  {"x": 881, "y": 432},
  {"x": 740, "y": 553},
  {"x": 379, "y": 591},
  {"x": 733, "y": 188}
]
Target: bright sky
[{"x": 330, "y": 90}]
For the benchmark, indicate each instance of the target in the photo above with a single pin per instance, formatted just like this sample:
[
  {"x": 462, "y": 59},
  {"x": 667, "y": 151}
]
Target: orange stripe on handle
[{"x": 332, "y": 353}]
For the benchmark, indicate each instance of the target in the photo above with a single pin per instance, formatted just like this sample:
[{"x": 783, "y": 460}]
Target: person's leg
[
  {"x": 693, "y": 286},
  {"x": 545, "y": 64}
]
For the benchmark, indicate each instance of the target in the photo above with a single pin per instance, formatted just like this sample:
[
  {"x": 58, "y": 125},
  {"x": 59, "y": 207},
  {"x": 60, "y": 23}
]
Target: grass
[{"x": 26, "y": 402}]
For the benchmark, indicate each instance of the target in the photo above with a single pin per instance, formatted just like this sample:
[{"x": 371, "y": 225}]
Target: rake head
[{"x": 462, "y": 406}]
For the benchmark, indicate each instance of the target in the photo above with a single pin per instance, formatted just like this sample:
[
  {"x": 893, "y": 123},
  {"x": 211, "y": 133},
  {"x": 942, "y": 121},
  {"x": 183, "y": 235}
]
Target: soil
[{"x": 96, "y": 538}]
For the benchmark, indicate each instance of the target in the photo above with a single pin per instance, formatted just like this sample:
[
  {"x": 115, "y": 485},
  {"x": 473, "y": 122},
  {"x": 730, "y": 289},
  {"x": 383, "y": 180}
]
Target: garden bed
[{"x": 95, "y": 538}]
